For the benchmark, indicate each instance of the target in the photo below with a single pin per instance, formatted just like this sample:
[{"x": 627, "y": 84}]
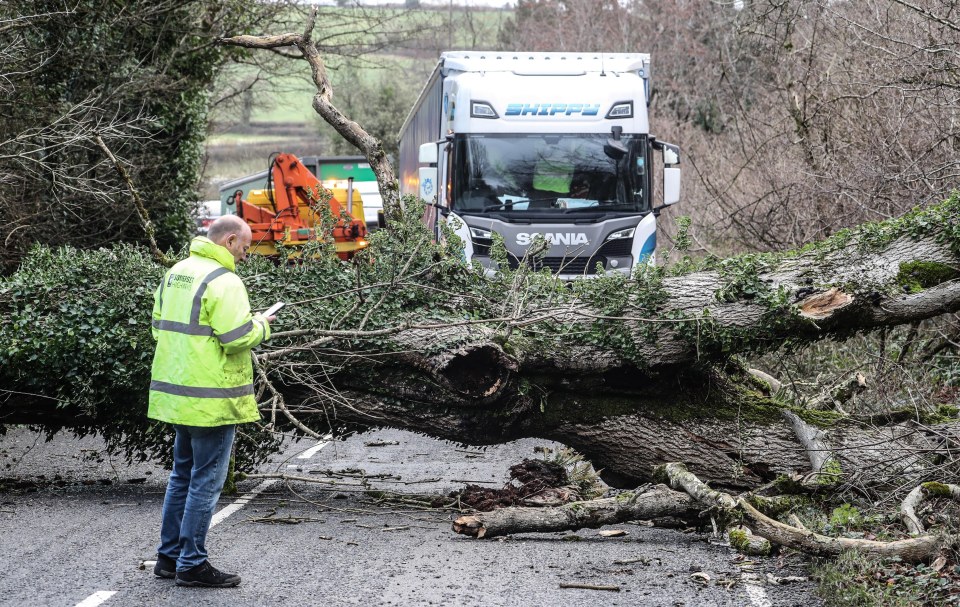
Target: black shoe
[
  {"x": 206, "y": 575},
  {"x": 166, "y": 567}
]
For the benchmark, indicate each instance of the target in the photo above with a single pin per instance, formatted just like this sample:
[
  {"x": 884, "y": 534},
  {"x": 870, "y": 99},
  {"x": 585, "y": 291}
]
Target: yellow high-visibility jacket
[{"x": 202, "y": 371}]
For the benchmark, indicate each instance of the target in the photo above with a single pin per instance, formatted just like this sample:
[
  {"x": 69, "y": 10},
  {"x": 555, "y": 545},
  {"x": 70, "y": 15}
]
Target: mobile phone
[{"x": 274, "y": 308}]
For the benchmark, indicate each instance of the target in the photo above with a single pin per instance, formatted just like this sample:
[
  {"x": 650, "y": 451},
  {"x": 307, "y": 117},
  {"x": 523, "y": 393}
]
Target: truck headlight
[
  {"x": 625, "y": 233},
  {"x": 482, "y": 109},
  {"x": 621, "y": 110},
  {"x": 480, "y": 233}
]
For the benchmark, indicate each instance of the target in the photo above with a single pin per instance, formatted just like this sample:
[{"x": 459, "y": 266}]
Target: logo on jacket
[{"x": 179, "y": 281}]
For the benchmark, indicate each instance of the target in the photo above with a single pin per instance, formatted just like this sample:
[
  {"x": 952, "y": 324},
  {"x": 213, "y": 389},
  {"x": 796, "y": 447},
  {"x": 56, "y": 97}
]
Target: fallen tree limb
[
  {"x": 744, "y": 541},
  {"x": 825, "y": 467},
  {"x": 837, "y": 395},
  {"x": 913, "y": 550},
  {"x": 370, "y": 146},
  {"x": 589, "y": 586},
  {"x": 656, "y": 502},
  {"x": 754, "y": 537},
  {"x": 908, "y": 509}
]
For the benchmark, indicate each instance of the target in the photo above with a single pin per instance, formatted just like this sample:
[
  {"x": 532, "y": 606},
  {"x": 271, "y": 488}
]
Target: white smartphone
[{"x": 274, "y": 308}]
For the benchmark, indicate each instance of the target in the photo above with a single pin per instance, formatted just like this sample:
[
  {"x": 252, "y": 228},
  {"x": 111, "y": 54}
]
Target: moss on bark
[{"x": 915, "y": 276}]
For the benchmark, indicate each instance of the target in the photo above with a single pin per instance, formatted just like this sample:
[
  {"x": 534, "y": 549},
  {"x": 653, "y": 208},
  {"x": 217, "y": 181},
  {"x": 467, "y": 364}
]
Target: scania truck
[{"x": 550, "y": 144}]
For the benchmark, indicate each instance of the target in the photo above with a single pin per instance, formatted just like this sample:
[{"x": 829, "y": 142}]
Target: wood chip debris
[
  {"x": 789, "y": 579},
  {"x": 700, "y": 577},
  {"x": 613, "y": 533},
  {"x": 642, "y": 560},
  {"x": 589, "y": 586},
  {"x": 381, "y": 443}
]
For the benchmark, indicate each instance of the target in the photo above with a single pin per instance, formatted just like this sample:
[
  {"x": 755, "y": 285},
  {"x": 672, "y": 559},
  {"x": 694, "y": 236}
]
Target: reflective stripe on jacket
[{"x": 202, "y": 370}]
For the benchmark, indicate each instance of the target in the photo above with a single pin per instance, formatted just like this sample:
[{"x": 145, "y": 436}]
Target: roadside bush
[{"x": 75, "y": 341}]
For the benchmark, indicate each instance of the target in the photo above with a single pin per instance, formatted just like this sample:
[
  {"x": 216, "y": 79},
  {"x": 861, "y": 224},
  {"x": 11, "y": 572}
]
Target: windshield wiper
[
  {"x": 502, "y": 205},
  {"x": 600, "y": 208},
  {"x": 509, "y": 204}
]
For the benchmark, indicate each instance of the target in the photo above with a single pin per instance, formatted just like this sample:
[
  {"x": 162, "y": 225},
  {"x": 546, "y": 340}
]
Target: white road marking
[
  {"x": 316, "y": 448},
  {"x": 753, "y": 586},
  {"x": 757, "y": 594},
  {"x": 240, "y": 503},
  {"x": 244, "y": 500},
  {"x": 97, "y": 598},
  {"x": 219, "y": 517}
]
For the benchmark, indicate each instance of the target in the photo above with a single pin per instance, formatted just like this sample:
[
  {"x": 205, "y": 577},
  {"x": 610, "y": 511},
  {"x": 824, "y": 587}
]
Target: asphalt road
[{"x": 76, "y": 526}]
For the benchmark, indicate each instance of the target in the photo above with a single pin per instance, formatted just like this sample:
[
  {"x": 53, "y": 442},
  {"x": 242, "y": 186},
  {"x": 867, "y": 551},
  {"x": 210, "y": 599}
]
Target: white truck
[{"x": 558, "y": 144}]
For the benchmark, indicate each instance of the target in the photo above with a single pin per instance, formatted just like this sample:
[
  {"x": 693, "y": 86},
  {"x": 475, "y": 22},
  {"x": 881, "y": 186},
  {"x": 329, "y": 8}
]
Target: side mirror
[
  {"x": 671, "y": 185},
  {"x": 428, "y": 153},
  {"x": 428, "y": 182},
  {"x": 671, "y": 156},
  {"x": 671, "y": 153},
  {"x": 671, "y": 173}
]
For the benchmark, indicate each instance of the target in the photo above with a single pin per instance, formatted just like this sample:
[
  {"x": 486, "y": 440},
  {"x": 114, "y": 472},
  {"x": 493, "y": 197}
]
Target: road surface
[{"x": 77, "y": 525}]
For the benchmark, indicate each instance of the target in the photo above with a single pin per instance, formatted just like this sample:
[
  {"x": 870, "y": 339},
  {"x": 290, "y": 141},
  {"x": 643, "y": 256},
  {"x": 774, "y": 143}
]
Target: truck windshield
[{"x": 581, "y": 173}]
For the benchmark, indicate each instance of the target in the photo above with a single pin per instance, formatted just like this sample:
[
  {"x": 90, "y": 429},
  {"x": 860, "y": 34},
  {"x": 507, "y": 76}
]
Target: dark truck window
[{"x": 549, "y": 174}]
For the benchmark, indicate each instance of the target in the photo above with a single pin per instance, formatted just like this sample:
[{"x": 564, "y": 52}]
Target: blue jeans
[{"x": 201, "y": 457}]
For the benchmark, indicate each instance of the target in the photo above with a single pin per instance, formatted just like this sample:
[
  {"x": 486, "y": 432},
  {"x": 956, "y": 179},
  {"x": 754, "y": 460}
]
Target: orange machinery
[{"x": 289, "y": 212}]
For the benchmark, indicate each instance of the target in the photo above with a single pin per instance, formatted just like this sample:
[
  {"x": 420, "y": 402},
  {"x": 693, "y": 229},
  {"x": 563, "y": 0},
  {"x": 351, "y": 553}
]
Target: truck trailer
[{"x": 550, "y": 144}]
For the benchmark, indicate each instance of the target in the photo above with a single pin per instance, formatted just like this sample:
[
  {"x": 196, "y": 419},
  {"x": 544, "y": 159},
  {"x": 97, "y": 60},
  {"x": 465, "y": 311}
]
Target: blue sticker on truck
[{"x": 552, "y": 109}]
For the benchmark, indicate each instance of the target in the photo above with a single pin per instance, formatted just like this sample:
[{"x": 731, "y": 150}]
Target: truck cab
[{"x": 549, "y": 144}]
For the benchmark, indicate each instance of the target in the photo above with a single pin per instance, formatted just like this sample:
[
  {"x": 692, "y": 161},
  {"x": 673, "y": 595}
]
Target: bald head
[
  {"x": 232, "y": 233},
  {"x": 224, "y": 226}
]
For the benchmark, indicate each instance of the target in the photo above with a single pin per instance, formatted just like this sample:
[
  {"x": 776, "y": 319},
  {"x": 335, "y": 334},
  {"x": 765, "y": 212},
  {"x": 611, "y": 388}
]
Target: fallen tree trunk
[
  {"x": 637, "y": 373},
  {"x": 632, "y": 372}
]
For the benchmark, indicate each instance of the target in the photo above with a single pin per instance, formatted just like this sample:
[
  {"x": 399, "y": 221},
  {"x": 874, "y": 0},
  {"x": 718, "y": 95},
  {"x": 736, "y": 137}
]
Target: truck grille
[
  {"x": 564, "y": 265},
  {"x": 620, "y": 247}
]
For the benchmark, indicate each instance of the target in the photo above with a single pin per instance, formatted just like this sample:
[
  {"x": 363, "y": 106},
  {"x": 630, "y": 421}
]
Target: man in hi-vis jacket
[{"x": 202, "y": 383}]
